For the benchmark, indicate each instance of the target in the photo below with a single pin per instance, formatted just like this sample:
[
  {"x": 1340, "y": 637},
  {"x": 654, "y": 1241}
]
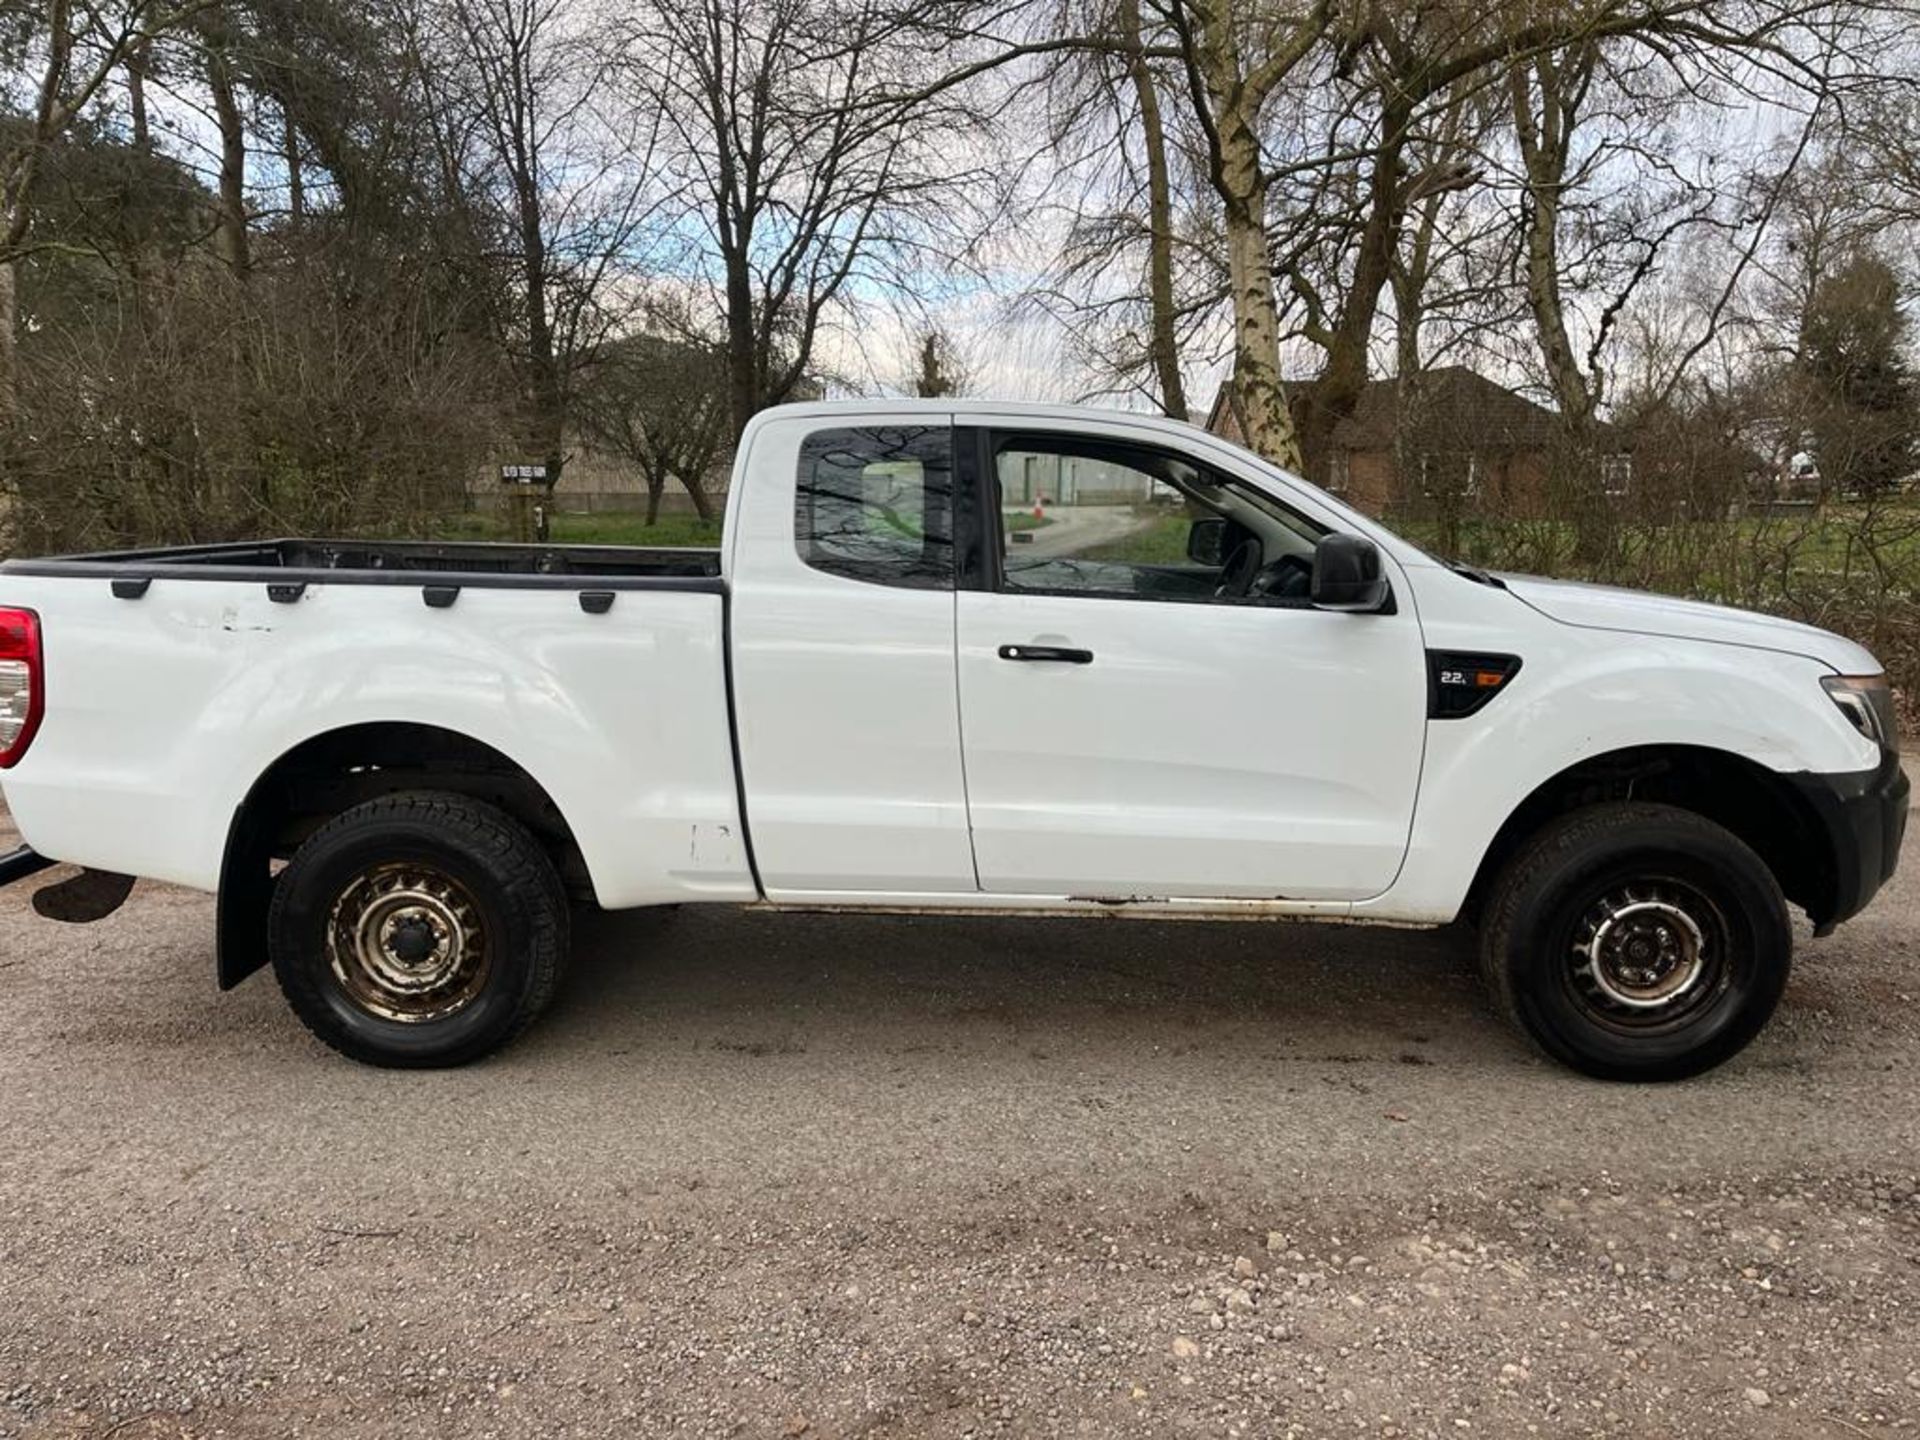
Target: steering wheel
[
  {"x": 1289, "y": 578},
  {"x": 1236, "y": 576}
]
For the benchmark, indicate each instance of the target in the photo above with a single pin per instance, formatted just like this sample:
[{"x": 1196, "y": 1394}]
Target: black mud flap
[
  {"x": 89, "y": 896},
  {"x": 246, "y": 895}
]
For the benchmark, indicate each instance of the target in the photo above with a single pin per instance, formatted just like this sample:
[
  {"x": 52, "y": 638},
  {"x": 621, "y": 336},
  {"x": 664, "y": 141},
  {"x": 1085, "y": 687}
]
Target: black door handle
[{"x": 1059, "y": 653}]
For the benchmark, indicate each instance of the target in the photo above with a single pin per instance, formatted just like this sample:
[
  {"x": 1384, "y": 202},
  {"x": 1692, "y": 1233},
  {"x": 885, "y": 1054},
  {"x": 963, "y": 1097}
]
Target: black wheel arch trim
[{"x": 1862, "y": 820}]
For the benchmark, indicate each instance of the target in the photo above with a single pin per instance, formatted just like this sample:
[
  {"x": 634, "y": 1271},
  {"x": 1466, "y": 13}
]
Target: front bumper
[
  {"x": 21, "y": 864},
  {"x": 1862, "y": 818}
]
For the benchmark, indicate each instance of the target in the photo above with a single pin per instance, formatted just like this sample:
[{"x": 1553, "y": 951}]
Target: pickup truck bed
[
  {"x": 388, "y": 562},
  {"x": 192, "y": 683}
]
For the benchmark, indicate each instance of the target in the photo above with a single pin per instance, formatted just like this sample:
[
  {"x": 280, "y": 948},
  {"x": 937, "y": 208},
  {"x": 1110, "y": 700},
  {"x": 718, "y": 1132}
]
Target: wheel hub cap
[
  {"x": 1641, "y": 949},
  {"x": 406, "y": 944}
]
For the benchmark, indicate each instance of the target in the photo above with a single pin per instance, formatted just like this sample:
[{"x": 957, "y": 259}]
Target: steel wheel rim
[
  {"x": 1648, "y": 953},
  {"x": 407, "y": 943}
]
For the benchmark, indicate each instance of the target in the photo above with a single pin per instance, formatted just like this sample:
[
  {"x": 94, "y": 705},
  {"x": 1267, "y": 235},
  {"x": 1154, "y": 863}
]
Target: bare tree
[
  {"x": 1164, "y": 345},
  {"x": 660, "y": 400},
  {"x": 528, "y": 125},
  {"x": 214, "y": 29},
  {"x": 1235, "y": 59},
  {"x": 1116, "y": 285},
  {"x": 940, "y": 369},
  {"x": 1604, "y": 204},
  {"x": 807, "y": 181},
  {"x": 1433, "y": 264}
]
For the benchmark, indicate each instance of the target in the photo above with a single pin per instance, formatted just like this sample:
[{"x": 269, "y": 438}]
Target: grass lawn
[
  {"x": 606, "y": 528},
  {"x": 1720, "y": 558},
  {"x": 622, "y": 528},
  {"x": 1016, "y": 520},
  {"x": 1163, "y": 541}
]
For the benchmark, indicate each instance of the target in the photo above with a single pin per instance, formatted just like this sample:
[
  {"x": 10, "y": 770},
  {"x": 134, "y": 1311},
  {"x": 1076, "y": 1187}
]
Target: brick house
[{"x": 1444, "y": 436}]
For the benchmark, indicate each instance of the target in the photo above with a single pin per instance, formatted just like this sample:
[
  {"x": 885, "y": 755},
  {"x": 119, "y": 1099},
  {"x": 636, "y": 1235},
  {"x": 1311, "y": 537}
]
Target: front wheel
[
  {"x": 1637, "y": 942},
  {"x": 418, "y": 930}
]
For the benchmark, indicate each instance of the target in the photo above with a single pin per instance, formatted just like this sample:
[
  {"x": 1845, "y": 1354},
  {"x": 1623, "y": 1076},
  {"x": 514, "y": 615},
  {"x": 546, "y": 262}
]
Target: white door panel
[
  {"x": 1206, "y": 750},
  {"x": 846, "y": 702},
  {"x": 849, "y": 737}
]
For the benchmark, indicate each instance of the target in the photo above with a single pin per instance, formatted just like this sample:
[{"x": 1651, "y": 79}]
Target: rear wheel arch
[
  {"x": 1757, "y": 805},
  {"x": 330, "y": 773}
]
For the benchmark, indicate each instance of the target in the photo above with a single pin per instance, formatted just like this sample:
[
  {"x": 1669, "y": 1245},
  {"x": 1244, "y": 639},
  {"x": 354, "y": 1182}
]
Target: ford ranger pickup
[{"x": 957, "y": 657}]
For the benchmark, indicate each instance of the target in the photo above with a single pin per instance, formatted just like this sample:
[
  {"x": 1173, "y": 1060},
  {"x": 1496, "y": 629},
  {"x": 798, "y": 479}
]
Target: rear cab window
[{"x": 875, "y": 503}]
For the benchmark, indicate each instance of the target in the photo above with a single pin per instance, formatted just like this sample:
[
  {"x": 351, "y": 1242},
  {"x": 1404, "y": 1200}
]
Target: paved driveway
[
  {"x": 1075, "y": 529},
  {"x": 767, "y": 1176}
]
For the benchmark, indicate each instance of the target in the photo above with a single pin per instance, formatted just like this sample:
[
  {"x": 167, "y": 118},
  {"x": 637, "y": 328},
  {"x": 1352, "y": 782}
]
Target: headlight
[{"x": 1867, "y": 702}]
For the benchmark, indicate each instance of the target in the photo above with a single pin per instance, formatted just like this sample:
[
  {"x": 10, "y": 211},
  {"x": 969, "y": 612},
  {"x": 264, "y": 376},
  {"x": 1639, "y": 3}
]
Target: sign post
[{"x": 525, "y": 505}]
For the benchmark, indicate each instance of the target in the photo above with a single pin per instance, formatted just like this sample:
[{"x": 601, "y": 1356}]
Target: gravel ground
[{"x": 796, "y": 1176}]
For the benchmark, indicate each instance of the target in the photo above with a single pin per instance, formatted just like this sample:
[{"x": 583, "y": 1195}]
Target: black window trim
[{"x": 980, "y": 541}]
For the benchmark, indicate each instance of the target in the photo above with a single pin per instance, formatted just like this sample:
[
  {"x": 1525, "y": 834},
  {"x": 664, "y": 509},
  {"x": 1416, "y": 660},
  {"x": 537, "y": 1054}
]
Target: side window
[
  {"x": 876, "y": 504},
  {"x": 1094, "y": 517}
]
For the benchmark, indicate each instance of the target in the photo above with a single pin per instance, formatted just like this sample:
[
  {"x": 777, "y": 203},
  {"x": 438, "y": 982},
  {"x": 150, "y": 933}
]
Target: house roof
[
  {"x": 1452, "y": 407},
  {"x": 1448, "y": 402},
  {"x": 1224, "y": 417}
]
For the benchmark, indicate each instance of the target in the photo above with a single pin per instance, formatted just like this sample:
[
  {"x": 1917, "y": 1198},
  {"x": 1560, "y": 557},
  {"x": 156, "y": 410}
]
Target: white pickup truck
[{"x": 954, "y": 657}]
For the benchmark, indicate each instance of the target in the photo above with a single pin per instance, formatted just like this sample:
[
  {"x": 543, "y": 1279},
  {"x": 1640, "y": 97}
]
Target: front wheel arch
[
  {"x": 1622, "y": 1020},
  {"x": 1757, "y": 805}
]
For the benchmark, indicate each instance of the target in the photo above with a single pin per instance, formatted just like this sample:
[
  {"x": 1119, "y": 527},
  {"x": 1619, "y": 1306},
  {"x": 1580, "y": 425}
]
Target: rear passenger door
[{"x": 847, "y": 704}]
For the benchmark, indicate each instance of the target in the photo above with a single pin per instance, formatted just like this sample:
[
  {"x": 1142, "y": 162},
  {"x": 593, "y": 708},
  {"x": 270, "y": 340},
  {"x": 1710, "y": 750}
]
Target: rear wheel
[
  {"x": 419, "y": 930},
  {"x": 1637, "y": 942}
]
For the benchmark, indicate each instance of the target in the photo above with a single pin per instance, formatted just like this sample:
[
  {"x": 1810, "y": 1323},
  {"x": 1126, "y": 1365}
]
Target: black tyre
[
  {"x": 419, "y": 930},
  {"x": 1637, "y": 942}
]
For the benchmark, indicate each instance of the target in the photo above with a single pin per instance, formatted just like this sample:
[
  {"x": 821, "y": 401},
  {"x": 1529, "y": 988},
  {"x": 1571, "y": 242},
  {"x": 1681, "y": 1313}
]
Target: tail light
[{"x": 23, "y": 685}]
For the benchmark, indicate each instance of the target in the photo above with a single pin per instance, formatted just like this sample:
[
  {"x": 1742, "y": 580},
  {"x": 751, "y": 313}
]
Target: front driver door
[{"x": 1130, "y": 735}]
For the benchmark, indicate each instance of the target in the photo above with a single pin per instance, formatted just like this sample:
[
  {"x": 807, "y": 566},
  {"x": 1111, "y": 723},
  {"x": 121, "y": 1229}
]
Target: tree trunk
[
  {"x": 1256, "y": 316},
  {"x": 1230, "y": 104},
  {"x": 1165, "y": 343},
  {"x": 1569, "y": 381},
  {"x": 137, "y": 98},
  {"x": 697, "y": 492},
  {"x": 1410, "y": 290},
  {"x": 655, "y": 485},
  {"x": 230, "y": 236},
  {"x": 16, "y": 185},
  {"x": 546, "y": 392},
  {"x": 1544, "y": 141},
  {"x": 1228, "y": 101},
  {"x": 296, "y": 180},
  {"x": 9, "y": 343},
  {"x": 1345, "y": 375},
  {"x": 743, "y": 360}
]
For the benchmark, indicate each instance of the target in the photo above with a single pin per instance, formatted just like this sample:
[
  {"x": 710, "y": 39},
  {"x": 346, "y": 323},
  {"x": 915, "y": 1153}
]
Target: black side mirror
[
  {"x": 1207, "y": 542},
  {"x": 1347, "y": 575}
]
